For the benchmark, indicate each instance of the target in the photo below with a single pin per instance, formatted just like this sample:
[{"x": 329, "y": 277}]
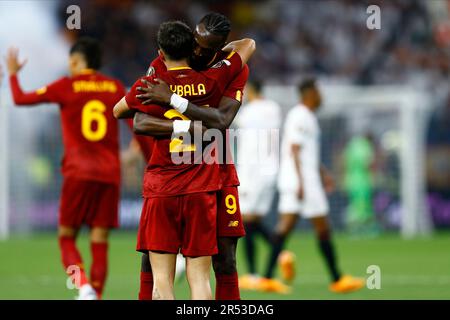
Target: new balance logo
[{"x": 233, "y": 223}]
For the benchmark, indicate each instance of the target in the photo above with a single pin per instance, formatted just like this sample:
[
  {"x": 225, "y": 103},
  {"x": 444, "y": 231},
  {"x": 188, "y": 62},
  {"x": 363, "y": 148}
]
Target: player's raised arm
[
  {"x": 45, "y": 94},
  {"x": 244, "y": 47}
]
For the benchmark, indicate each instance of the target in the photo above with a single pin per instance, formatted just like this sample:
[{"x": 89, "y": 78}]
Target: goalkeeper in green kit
[{"x": 358, "y": 182}]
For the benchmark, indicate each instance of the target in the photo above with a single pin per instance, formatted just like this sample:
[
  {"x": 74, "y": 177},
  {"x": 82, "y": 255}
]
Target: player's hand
[
  {"x": 154, "y": 93},
  {"x": 12, "y": 61},
  {"x": 328, "y": 183},
  {"x": 300, "y": 193}
]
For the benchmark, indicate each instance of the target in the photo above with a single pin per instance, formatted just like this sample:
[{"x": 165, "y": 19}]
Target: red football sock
[
  {"x": 227, "y": 287},
  {"x": 146, "y": 286},
  {"x": 99, "y": 267},
  {"x": 71, "y": 257}
]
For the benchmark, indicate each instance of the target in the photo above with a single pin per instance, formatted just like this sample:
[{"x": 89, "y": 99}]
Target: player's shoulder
[
  {"x": 296, "y": 111},
  {"x": 272, "y": 104},
  {"x": 301, "y": 110},
  {"x": 298, "y": 115}
]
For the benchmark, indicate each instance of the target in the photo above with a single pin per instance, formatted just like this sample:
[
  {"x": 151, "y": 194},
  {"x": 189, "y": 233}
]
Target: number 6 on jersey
[{"x": 93, "y": 111}]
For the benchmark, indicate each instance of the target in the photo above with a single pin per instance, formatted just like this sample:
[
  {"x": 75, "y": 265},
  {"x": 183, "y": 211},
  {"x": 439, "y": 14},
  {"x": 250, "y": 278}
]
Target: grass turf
[{"x": 30, "y": 268}]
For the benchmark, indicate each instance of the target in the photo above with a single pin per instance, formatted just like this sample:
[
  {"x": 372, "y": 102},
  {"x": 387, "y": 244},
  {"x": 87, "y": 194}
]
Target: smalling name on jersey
[{"x": 94, "y": 86}]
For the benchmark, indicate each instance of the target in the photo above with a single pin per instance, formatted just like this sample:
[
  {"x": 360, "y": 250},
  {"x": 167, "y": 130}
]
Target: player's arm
[
  {"x": 218, "y": 118},
  {"x": 327, "y": 179},
  {"x": 144, "y": 124},
  {"x": 244, "y": 47},
  {"x": 295, "y": 151},
  {"x": 1, "y": 75},
  {"x": 45, "y": 94},
  {"x": 122, "y": 110}
]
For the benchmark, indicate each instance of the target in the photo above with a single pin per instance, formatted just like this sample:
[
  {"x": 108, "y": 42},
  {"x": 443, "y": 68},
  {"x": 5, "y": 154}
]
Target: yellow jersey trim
[
  {"x": 231, "y": 54},
  {"x": 179, "y": 68}
]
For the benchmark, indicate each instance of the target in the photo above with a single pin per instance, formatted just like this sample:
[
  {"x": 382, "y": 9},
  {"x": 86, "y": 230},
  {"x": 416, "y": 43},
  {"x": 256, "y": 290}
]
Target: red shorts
[
  {"x": 186, "y": 222},
  {"x": 229, "y": 219},
  {"x": 89, "y": 202}
]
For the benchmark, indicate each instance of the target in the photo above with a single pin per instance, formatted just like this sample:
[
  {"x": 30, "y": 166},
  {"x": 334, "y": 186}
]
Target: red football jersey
[
  {"x": 89, "y": 129},
  {"x": 234, "y": 90},
  {"x": 205, "y": 88}
]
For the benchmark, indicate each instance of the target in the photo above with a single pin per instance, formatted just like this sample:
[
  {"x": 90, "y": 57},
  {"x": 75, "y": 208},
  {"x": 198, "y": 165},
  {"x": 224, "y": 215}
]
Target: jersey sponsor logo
[
  {"x": 94, "y": 86},
  {"x": 189, "y": 89},
  {"x": 233, "y": 224}
]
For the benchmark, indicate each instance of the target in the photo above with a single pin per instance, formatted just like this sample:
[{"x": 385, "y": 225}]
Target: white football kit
[
  {"x": 257, "y": 171},
  {"x": 301, "y": 128}
]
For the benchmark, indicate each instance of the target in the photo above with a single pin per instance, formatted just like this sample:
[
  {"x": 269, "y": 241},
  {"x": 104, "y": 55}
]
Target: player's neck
[
  {"x": 171, "y": 64},
  {"x": 308, "y": 106},
  {"x": 83, "y": 71}
]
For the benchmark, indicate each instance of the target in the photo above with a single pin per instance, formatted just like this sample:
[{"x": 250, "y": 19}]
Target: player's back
[{"x": 90, "y": 132}]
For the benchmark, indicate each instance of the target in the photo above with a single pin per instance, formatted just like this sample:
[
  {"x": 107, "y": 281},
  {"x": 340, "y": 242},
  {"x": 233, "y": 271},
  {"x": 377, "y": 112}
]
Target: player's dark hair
[
  {"x": 217, "y": 24},
  {"x": 175, "y": 39},
  {"x": 90, "y": 49},
  {"x": 257, "y": 86},
  {"x": 306, "y": 85}
]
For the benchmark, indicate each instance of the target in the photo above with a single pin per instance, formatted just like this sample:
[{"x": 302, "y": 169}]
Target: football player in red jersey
[
  {"x": 180, "y": 199},
  {"x": 90, "y": 166},
  {"x": 210, "y": 36}
]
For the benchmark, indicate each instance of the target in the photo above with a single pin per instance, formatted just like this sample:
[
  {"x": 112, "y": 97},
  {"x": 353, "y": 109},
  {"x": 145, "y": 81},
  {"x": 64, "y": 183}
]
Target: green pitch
[{"x": 30, "y": 268}]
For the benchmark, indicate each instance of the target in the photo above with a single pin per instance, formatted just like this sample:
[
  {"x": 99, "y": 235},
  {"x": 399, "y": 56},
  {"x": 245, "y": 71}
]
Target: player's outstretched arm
[
  {"x": 20, "y": 97},
  {"x": 122, "y": 111},
  {"x": 217, "y": 118}
]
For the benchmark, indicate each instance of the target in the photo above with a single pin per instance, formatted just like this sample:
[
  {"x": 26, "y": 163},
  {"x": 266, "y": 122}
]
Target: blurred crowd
[{"x": 327, "y": 38}]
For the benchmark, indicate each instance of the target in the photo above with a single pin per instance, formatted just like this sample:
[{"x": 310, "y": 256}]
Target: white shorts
[
  {"x": 314, "y": 203},
  {"x": 257, "y": 200}
]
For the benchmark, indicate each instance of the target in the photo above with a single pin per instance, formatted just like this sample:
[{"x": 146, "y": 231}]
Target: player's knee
[
  {"x": 67, "y": 232},
  {"x": 323, "y": 234},
  {"x": 224, "y": 265},
  {"x": 286, "y": 226},
  {"x": 225, "y": 261},
  {"x": 99, "y": 235},
  {"x": 145, "y": 263}
]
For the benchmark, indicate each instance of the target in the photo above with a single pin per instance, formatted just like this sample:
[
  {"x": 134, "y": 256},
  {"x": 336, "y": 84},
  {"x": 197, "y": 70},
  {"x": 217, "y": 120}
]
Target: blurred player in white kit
[
  {"x": 258, "y": 122},
  {"x": 303, "y": 183}
]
